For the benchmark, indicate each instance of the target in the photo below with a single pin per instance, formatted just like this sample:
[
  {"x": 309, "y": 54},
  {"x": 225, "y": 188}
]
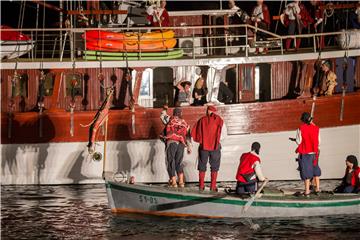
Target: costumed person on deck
[
  {"x": 308, "y": 140},
  {"x": 355, "y": 17},
  {"x": 318, "y": 12},
  {"x": 260, "y": 18},
  {"x": 208, "y": 131},
  {"x": 328, "y": 81},
  {"x": 177, "y": 137},
  {"x": 249, "y": 171},
  {"x": 182, "y": 93},
  {"x": 199, "y": 93},
  {"x": 158, "y": 16},
  {"x": 351, "y": 181},
  {"x": 296, "y": 18}
]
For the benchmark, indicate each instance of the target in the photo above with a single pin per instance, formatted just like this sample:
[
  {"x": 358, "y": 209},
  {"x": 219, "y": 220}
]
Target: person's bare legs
[
  {"x": 307, "y": 186},
  {"x": 317, "y": 184}
]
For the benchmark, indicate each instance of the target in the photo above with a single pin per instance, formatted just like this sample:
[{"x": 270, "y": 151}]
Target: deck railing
[{"x": 66, "y": 44}]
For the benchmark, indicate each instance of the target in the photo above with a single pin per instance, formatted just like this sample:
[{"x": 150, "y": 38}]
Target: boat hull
[
  {"x": 161, "y": 201},
  {"x": 14, "y": 49}
]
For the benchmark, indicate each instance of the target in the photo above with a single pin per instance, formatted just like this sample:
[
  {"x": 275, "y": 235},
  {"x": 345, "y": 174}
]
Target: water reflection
[{"x": 81, "y": 212}]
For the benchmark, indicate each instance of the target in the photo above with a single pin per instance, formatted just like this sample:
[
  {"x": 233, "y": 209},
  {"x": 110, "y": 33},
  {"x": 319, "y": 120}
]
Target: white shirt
[
  {"x": 258, "y": 12},
  {"x": 291, "y": 10}
]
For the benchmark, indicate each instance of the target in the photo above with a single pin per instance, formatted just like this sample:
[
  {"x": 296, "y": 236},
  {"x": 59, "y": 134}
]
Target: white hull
[
  {"x": 169, "y": 202},
  {"x": 66, "y": 163},
  {"x": 14, "y": 49}
]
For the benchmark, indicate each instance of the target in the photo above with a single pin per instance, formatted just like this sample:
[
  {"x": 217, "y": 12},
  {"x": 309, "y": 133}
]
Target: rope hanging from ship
[
  {"x": 15, "y": 80},
  {"x": 345, "y": 68}
]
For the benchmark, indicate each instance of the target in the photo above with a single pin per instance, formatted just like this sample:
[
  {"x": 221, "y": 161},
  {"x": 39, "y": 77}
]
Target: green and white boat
[{"x": 189, "y": 202}]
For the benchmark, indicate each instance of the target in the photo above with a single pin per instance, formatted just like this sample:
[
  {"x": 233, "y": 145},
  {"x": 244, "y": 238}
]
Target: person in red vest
[
  {"x": 308, "y": 140},
  {"x": 351, "y": 180},
  {"x": 260, "y": 18},
  {"x": 177, "y": 136},
  {"x": 207, "y": 132},
  {"x": 249, "y": 171},
  {"x": 158, "y": 16},
  {"x": 297, "y": 18}
]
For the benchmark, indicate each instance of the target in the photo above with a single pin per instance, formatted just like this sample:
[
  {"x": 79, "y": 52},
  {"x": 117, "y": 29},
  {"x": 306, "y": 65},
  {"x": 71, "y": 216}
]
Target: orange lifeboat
[
  {"x": 134, "y": 46},
  {"x": 129, "y": 36}
]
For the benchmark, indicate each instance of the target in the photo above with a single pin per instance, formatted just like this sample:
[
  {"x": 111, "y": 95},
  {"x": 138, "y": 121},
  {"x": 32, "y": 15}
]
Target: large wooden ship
[{"x": 42, "y": 141}]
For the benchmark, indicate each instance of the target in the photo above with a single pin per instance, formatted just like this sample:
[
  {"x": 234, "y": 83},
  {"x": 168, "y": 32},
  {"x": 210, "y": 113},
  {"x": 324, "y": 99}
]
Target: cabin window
[
  {"x": 247, "y": 78},
  {"x": 19, "y": 85},
  {"x": 49, "y": 84},
  {"x": 146, "y": 92},
  {"x": 74, "y": 84}
]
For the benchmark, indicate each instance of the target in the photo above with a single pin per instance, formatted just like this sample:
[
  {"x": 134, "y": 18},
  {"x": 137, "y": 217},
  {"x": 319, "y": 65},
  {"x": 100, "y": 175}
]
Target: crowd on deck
[{"x": 210, "y": 130}]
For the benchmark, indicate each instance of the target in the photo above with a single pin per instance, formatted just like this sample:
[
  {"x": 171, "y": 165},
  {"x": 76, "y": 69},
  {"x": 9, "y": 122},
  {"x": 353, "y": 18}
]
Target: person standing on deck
[
  {"x": 158, "y": 16},
  {"x": 328, "y": 81},
  {"x": 249, "y": 171},
  {"x": 177, "y": 137},
  {"x": 318, "y": 13},
  {"x": 208, "y": 131},
  {"x": 308, "y": 140},
  {"x": 260, "y": 18},
  {"x": 296, "y": 18},
  {"x": 351, "y": 181}
]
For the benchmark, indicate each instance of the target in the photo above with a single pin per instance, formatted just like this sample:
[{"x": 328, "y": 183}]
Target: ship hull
[{"x": 69, "y": 162}]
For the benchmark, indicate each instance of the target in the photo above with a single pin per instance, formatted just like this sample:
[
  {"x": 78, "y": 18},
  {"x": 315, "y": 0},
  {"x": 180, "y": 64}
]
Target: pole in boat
[
  {"x": 105, "y": 141},
  {"x": 250, "y": 202}
]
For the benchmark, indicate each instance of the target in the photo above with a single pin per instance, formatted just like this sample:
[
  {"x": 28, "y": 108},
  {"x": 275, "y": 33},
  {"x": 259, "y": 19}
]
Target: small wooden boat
[
  {"x": 118, "y": 46},
  {"x": 128, "y": 36},
  {"x": 13, "y": 44},
  {"x": 189, "y": 202}
]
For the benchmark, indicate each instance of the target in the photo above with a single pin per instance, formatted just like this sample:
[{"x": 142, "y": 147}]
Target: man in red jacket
[
  {"x": 207, "y": 132},
  {"x": 297, "y": 18},
  {"x": 158, "y": 16},
  {"x": 249, "y": 171},
  {"x": 308, "y": 140}
]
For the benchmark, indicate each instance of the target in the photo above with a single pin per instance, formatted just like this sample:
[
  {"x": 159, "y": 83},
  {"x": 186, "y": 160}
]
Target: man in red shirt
[
  {"x": 308, "y": 140},
  {"x": 207, "y": 132},
  {"x": 158, "y": 16},
  {"x": 249, "y": 171}
]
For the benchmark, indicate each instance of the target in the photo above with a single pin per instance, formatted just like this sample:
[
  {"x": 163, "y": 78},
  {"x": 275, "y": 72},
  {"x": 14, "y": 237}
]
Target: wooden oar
[{"x": 250, "y": 202}]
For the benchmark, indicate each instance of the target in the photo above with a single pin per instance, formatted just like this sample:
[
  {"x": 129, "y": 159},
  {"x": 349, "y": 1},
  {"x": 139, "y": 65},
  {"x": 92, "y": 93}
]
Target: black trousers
[
  {"x": 174, "y": 158},
  {"x": 212, "y": 156}
]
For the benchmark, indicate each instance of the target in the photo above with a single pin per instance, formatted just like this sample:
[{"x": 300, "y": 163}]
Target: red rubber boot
[
  {"x": 201, "y": 181},
  {"x": 213, "y": 182}
]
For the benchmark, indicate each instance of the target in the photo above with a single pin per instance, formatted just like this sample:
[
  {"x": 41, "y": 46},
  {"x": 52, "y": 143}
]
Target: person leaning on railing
[
  {"x": 328, "y": 81},
  {"x": 199, "y": 93}
]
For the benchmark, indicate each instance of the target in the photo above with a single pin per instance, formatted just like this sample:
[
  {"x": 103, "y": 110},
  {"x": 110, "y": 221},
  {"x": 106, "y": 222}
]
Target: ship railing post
[
  {"x": 246, "y": 42},
  {"x": 281, "y": 46},
  {"x": 314, "y": 42},
  {"x": 193, "y": 40},
  {"x": 226, "y": 44}
]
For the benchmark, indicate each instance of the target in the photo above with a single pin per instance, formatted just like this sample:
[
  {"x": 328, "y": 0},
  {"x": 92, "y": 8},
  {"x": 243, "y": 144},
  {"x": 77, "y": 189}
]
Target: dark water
[{"x": 81, "y": 212}]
